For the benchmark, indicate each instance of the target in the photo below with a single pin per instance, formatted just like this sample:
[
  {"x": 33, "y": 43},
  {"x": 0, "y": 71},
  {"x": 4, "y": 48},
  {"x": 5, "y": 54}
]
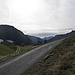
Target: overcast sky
[{"x": 39, "y": 17}]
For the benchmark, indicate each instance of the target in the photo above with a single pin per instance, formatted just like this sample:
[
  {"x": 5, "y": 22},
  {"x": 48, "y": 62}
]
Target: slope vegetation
[
  {"x": 6, "y": 50},
  {"x": 61, "y": 61}
]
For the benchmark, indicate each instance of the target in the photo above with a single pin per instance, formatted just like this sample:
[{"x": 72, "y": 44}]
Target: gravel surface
[{"x": 18, "y": 65}]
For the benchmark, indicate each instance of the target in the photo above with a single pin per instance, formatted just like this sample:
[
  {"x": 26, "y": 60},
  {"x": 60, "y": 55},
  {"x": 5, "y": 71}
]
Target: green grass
[
  {"x": 60, "y": 62},
  {"x": 8, "y": 50},
  {"x": 5, "y": 58},
  {"x": 26, "y": 48}
]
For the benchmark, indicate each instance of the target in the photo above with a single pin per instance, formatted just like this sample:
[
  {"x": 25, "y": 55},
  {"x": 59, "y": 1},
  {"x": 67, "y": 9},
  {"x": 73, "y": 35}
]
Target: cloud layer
[{"x": 39, "y": 17}]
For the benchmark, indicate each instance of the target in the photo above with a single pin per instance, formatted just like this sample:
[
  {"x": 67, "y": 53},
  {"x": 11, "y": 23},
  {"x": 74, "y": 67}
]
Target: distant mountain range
[
  {"x": 57, "y": 37},
  {"x": 36, "y": 40},
  {"x": 47, "y": 38},
  {"x": 10, "y": 33}
]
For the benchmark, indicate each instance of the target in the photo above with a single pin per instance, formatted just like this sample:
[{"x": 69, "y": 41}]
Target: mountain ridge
[
  {"x": 8, "y": 32},
  {"x": 61, "y": 36},
  {"x": 35, "y": 39}
]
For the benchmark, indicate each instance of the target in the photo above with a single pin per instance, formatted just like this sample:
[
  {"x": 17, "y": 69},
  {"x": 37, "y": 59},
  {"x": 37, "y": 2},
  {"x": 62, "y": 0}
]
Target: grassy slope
[
  {"x": 6, "y": 50},
  {"x": 61, "y": 61},
  {"x": 26, "y": 48}
]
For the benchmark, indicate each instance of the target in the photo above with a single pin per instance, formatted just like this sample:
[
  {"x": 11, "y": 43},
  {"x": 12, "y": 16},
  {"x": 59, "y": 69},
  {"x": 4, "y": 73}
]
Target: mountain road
[{"x": 18, "y": 65}]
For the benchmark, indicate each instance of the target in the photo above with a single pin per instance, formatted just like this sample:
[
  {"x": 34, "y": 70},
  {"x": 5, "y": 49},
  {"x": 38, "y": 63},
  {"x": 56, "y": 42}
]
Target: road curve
[{"x": 21, "y": 63}]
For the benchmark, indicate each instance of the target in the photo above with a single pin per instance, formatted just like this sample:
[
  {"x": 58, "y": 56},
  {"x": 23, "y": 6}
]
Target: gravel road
[{"x": 18, "y": 65}]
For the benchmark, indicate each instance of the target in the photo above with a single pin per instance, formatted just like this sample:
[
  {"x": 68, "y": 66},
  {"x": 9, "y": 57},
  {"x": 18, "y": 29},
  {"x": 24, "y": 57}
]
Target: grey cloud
[
  {"x": 67, "y": 29},
  {"x": 4, "y": 12},
  {"x": 44, "y": 34},
  {"x": 56, "y": 14}
]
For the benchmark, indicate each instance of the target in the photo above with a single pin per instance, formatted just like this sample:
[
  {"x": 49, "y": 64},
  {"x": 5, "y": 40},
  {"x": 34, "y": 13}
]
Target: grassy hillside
[
  {"x": 6, "y": 50},
  {"x": 61, "y": 61},
  {"x": 12, "y": 51},
  {"x": 27, "y": 48}
]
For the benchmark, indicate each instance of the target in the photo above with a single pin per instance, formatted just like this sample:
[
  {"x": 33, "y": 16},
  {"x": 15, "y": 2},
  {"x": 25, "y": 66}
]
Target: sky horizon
[{"x": 40, "y": 18}]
